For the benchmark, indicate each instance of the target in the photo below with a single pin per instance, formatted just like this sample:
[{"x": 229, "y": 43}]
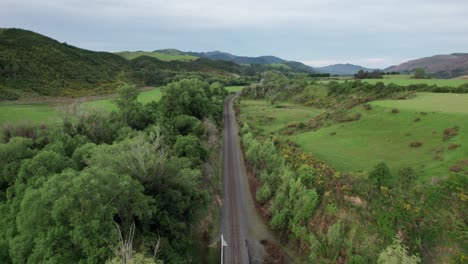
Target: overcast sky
[{"x": 317, "y": 32}]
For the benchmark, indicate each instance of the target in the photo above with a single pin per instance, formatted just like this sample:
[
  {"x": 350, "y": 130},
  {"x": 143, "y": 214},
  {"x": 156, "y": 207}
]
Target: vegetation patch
[{"x": 415, "y": 144}]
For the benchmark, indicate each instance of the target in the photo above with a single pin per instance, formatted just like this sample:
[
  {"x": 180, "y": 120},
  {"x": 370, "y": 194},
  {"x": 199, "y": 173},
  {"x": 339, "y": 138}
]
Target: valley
[{"x": 173, "y": 156}]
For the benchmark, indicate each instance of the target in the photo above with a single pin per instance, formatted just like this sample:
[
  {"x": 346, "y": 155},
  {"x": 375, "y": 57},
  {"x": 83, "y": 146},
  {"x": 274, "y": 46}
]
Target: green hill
[
  {"x": 130, "y": 55},
  {"x": 31, "y": 63}
]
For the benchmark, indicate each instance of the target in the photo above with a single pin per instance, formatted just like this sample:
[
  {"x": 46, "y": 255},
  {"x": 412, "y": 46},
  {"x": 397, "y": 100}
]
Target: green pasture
[
  {"x": 268, "y": 118},
  {"x": 379, "y": 135},
  {"x": 234, "y": 89},
  {"x": 406, "y": 81},
  {"x": 38, "y": 113}
]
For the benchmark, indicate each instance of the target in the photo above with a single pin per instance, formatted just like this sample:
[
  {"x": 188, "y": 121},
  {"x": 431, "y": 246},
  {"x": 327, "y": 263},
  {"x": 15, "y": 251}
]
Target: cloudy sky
[{"x": 317, "y": 32}]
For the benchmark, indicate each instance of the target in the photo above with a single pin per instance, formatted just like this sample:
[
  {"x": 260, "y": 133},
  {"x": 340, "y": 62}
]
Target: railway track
[
  {"x": 234, "y": 237},
  {"x": 242, "y": 227}
]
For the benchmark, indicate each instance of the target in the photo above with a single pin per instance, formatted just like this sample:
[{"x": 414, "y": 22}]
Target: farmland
[
  {"x": 379, "y": 135},
  {"x": 39, "y": 113},
  {"x": 269, "y": 118},
  {"x": 406, "y": 81}
]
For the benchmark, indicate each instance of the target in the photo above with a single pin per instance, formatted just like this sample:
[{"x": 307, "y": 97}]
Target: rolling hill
[
  {"x": 33, "y": 63},
  {"x": 342, "y": 69},
  {"x": 440, "y": 66}
]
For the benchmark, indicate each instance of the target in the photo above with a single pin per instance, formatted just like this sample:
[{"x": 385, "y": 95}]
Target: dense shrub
[
  {"x": 415, "y": 144},
  {"x": 453, "y": 146},
  {"x": 450, "y": 132}
]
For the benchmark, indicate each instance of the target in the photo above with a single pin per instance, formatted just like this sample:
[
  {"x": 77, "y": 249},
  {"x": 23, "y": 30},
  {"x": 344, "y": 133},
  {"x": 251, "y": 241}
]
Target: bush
[
  {"x": 367, "y": 107},
  {"x": 450, "y": 132},
  {"x": 456, "y": 168},
  {"x": 415, "y": 144},
  {"x": 397, "y": 253},
  {"x": 453, "y": 146},
  {"x": 263, "y": 194}
]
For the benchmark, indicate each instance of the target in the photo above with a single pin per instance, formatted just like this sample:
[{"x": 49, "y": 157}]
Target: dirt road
[{"x": 242, "y": 227}]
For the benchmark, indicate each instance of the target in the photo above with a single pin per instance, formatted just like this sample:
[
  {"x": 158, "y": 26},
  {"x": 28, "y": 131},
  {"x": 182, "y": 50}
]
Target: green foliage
[
  {"x": 187, "y": 97},
  {"x": 420, "y": 73},
  {"x": 32, "y": 62},
  {"x": 406, "y": 177},
  {"x": 190, "y": 147},
  {"x": 335, "y": 238},
  {"x": 397, "y": 253},
  {"x": 64, "y": 188},
  {"x": 380, "y": 174},
  {"x": 50, "y": 228},
  {"x": 264, "y": 193}
]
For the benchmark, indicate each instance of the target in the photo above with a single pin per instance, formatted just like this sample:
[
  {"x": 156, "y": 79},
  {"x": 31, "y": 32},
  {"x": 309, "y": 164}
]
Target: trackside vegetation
[
  {"x": 124, "y": 186},
  {"x": 380, "y": 214}
]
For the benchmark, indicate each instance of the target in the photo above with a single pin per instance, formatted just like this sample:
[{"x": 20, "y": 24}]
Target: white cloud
[{"x": 360, "y": 15}]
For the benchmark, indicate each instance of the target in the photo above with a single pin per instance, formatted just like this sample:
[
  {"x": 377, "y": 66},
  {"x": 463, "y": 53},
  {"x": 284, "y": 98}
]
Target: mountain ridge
[
  {"x": 441, "y": 65},
  {"x": 342, "y": 69}
]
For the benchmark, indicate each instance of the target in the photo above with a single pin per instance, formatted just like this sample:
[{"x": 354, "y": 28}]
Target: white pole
[{"x": 223, "y": 244}]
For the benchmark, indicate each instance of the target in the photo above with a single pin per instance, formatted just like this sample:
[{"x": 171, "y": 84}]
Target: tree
[
  {"x": 380, "y": 174},
  {"x": 70, "y": 218},
  {"x": 132, "y": 111},
  {"x": 420, "y": 73},
  {"x": 190, "y": 147},
  {"x": 406, "y": 177},
  {"x": 186, "y": 97},
  {"x": 397, "y": 253}
]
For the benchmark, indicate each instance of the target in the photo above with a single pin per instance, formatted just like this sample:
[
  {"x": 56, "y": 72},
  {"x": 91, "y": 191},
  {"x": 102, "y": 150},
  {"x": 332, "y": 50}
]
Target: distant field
[
  {"x": 130, "y": 55},
  {"x": 379, "y": 135},
  {"x": 38, "y": 113},
  {"x": 261, "y": 114},
  {"x": 431, "y": 102},
  {"x": 405, "y": 82},
  {"x": 144, "y": 97},
  {"x": 398, "y": 76},
  {"x": 234, "y": 89}
]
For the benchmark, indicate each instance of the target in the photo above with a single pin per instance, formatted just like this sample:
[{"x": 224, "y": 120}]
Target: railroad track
[{"x": 235, "y": 256}]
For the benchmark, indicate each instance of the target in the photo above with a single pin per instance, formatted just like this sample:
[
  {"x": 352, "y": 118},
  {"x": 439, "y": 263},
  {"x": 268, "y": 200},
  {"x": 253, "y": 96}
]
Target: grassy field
[
  {"x": 406, "y": 81},
  {"x": 379, "y": 135},
  {"x": 38, "y": 113},
  {"x": 130, "y": 55},
  {"x": 144, "y": 97},
  {"x": 47, "y": 113},
  {"x": 234, "y": 89},
  {"x": 262, "y": 115},
  {"x": 431, "y": 102},
  {"x": 398, "y": 76}
]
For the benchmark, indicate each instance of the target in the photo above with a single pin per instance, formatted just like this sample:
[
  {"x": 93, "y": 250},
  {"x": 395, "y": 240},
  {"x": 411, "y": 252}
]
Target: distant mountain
[
  {"x": 441, "y": 66},
  {"x": 342, "y": 69},
  {"x": 262, "y": 60}
]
